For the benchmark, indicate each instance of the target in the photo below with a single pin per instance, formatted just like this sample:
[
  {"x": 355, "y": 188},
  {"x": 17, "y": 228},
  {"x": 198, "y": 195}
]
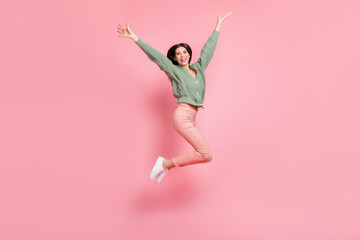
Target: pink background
[{"x": 85, "y": 114}]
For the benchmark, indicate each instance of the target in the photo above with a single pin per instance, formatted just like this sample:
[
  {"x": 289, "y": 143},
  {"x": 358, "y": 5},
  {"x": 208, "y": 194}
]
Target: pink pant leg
[{"x": 184, "y": 122}]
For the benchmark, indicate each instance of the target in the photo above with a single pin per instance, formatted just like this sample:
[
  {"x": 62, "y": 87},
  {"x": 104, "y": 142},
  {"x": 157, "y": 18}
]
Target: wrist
[
  {"x": 135, "y": 38},
  {"x": 217, "y": 28}
]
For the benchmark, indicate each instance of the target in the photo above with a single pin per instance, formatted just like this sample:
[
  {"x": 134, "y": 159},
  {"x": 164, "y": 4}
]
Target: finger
[
  {"x": 121, "y": 26},
  {"x": 228, "y": 14},
  {"x": 128, "y": 27},
  {"x": 224, "y": 16}
]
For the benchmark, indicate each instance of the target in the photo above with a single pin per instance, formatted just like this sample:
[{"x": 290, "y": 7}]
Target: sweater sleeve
[
  {"x": 207, "y": 51},
  {"x": 154, "y": 55}
]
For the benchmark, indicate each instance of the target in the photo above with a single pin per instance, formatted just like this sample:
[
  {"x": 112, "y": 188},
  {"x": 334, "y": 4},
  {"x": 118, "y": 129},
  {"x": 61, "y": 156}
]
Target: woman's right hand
[{"x": 126, "y": 32}]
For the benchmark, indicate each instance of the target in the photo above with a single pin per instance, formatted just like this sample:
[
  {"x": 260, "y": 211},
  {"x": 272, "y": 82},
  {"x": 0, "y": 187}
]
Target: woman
[{"x": 188, "y": 83}]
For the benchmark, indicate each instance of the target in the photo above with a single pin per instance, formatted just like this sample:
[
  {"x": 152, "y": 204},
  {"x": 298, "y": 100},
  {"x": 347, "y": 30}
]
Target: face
[{"x": 182, "y": 56}]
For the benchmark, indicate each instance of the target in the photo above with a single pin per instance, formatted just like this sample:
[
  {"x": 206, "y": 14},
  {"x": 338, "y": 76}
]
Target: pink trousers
[{"x": 184, "y": 122}]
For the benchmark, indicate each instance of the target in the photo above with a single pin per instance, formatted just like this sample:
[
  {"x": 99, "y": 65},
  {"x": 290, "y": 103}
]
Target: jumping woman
[{"x": 188, "y": 84}]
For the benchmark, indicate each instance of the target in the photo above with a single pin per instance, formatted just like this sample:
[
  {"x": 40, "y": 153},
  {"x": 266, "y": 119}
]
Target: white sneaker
[
  {"x": 157, "y": 169},
  {"x": 162, "y": 174}
]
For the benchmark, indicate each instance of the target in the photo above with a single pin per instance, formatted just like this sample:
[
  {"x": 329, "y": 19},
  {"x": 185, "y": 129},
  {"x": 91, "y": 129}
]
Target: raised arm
[
  {"x": 154, "y": 55},
  {"x": 208, "y": 50}
]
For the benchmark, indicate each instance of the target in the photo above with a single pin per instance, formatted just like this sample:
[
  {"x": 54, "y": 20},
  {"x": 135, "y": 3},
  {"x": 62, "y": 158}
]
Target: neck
[{"x": 186, "y": 67}]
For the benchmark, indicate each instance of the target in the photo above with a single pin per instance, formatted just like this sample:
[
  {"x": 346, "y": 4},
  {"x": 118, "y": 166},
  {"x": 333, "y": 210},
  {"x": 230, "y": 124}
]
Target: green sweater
[{"x": 186, "y": 88}]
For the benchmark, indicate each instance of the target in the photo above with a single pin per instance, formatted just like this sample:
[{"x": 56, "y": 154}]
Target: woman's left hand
[{"x": 223, "y": 16}]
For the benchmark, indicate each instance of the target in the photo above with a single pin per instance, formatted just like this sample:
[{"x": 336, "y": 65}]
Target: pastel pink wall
[{"x": 85, "y": 114}]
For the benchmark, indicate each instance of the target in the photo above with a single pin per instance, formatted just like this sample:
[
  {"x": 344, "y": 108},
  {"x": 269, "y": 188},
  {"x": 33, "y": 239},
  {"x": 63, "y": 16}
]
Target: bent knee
[{"x": 207, "y": 156}]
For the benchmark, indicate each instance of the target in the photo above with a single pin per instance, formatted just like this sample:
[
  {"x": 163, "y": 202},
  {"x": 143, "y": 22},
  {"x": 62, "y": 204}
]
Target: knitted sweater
[{"x": 186, "y": 88}]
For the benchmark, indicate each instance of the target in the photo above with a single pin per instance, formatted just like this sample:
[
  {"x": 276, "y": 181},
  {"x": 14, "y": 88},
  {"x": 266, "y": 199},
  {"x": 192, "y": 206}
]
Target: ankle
[{"x": 168, "y": 164}]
